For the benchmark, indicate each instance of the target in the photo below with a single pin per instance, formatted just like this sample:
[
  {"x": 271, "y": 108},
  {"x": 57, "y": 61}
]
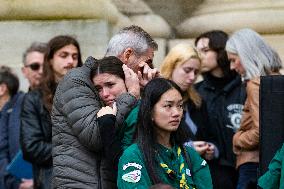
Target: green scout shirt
[
  {"x": 128, "y": 130},
  {"x": 274, "y": 177},
  {"x": 132, "y": 172}
]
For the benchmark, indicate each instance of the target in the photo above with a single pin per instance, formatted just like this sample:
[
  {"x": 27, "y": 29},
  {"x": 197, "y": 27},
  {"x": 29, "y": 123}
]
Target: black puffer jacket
[
  {"x": 77, "y": 147},
  {"x": 224, "y": 99},
  {"x": 35, "y": 138}
]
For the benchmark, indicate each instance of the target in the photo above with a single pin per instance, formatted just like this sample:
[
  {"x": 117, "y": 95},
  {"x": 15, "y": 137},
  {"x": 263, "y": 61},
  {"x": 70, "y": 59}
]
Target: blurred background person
[
  {"x": 224, "y": 94},
  {"x": 251, "y": 57},
  {"x": 33, "y": 59},
  {"x": 182, "y": 65},
  {"x": 62, "y": 55},
  {"x": 10, "y": 103}
]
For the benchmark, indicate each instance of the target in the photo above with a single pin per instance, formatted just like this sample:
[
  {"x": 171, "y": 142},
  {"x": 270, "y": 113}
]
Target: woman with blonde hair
[{"x": 182, "y": 65}]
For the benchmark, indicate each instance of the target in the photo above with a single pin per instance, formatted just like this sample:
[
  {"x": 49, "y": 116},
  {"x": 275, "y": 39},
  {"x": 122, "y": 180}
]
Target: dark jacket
[
  {"x": 9, "y": 139},
  {"x": 199, "y": 116},
  {"x": 224, "y": 99},
  {"x": 35, "y": 138},
  {"x": 77, "y": 146}
]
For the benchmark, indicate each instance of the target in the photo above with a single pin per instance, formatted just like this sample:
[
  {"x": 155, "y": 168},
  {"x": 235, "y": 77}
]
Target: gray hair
[
  {"x": 130, "y": 37},
  {"x": 35, "y": 47},
  {"x": 257, "y": 57}
]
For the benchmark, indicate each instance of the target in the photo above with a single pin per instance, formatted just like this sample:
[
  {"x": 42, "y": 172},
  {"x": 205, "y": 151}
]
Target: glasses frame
[{"x": 34, "y": 66}]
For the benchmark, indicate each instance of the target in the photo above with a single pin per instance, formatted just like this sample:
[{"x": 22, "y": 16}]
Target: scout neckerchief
[{"x": 172, "y": 174}]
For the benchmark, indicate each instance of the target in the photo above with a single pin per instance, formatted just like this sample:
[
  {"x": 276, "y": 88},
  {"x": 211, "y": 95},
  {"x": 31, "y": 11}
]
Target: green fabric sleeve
[
  {"x": 201, "y": 173},
  {"x": 132, "y": 172},
  {"x": 271, "y": 179},
  {"x": 129, "y": 128}
]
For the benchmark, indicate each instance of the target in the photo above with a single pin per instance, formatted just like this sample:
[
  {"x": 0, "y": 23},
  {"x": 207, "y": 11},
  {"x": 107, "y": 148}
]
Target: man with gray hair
[
  {"x": 135, "y": 48},
  {"x": 78, "y": 160},
  {"x": 33, "y": 59}
]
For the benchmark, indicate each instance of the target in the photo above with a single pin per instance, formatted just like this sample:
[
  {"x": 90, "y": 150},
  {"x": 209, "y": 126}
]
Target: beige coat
[{"x": 246, "y": 140}]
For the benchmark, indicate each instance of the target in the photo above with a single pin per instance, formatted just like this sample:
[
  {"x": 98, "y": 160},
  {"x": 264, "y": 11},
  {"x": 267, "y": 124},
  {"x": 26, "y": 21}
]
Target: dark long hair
[
  {"x": 48, "y": 83},
  {"x": 111, "y": 65},
  {"x": 146, "y": 136},
  {"x": 10, "y": 79},
  {"x": 217, "y": 43}
]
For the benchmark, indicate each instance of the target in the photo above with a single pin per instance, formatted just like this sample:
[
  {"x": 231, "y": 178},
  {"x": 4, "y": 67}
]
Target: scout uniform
[
  {"x": 274, "y": 177},
  {"x": 172, "y": 169},
  {"x": 128, "y": 129}
]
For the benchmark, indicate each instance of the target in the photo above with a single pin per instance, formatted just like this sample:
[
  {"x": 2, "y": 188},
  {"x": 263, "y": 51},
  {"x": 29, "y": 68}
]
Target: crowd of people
[{"x": 118, "y": 122}]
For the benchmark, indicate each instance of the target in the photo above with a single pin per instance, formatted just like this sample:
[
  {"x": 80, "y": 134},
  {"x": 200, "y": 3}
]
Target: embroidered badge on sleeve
[
  {"x": 203, "y": 163},
  {"x": 187, "y": 171},
  {"x": 136, "y": 165},
  {"x": 133, "y": 176}
]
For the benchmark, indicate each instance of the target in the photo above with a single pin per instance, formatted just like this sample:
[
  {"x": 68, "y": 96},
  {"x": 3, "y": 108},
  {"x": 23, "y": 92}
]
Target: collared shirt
[{"x": 132, "y": 172}]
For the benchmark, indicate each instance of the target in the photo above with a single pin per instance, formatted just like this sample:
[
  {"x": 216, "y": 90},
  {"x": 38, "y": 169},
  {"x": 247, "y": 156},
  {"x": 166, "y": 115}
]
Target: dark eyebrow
[
  {"x": 106, "y": 83},
  {"x": 205, "y": 48},
  {"x": 170, "y": 101},
  {"x": 65, "y": 52}
]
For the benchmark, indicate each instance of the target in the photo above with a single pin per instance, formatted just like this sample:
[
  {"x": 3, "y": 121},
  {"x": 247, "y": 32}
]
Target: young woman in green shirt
[{"x": 158, "y": 155}]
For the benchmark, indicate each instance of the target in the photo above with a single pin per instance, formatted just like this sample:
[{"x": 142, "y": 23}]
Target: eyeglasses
[{"x": 34, "y": 66}]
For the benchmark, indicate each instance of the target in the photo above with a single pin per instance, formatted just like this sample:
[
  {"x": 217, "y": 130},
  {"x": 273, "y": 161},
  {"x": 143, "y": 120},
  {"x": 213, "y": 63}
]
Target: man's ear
[{"x": 126, "y": 55}]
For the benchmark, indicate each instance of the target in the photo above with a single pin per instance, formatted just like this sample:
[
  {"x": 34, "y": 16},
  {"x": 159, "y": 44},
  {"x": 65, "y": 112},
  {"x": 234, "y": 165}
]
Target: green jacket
[
  {"x": 126, "y": 134},
  {"x": 133, "y": 174},
  {"x": 274, "y": 177}
]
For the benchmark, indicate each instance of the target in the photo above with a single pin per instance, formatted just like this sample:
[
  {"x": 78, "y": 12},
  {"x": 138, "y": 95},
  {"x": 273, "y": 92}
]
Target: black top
[
  {"x": 200, "y": 118},
  {"x": 224, "y": 98}
]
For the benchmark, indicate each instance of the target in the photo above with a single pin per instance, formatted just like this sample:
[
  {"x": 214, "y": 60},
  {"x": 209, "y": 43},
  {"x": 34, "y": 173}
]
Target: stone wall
[
  {"x": 93, "y": 22},
  {"x": 93, "y": 36},
  {"x": 16, "y": 36}
]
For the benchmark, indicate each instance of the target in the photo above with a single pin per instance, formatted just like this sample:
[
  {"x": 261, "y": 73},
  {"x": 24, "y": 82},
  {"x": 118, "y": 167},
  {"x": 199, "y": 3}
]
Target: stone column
[
  {"x": 264, "y": 16},
  {"x": 139, "y": 13},
  {"x": 23, "y": 22}
]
